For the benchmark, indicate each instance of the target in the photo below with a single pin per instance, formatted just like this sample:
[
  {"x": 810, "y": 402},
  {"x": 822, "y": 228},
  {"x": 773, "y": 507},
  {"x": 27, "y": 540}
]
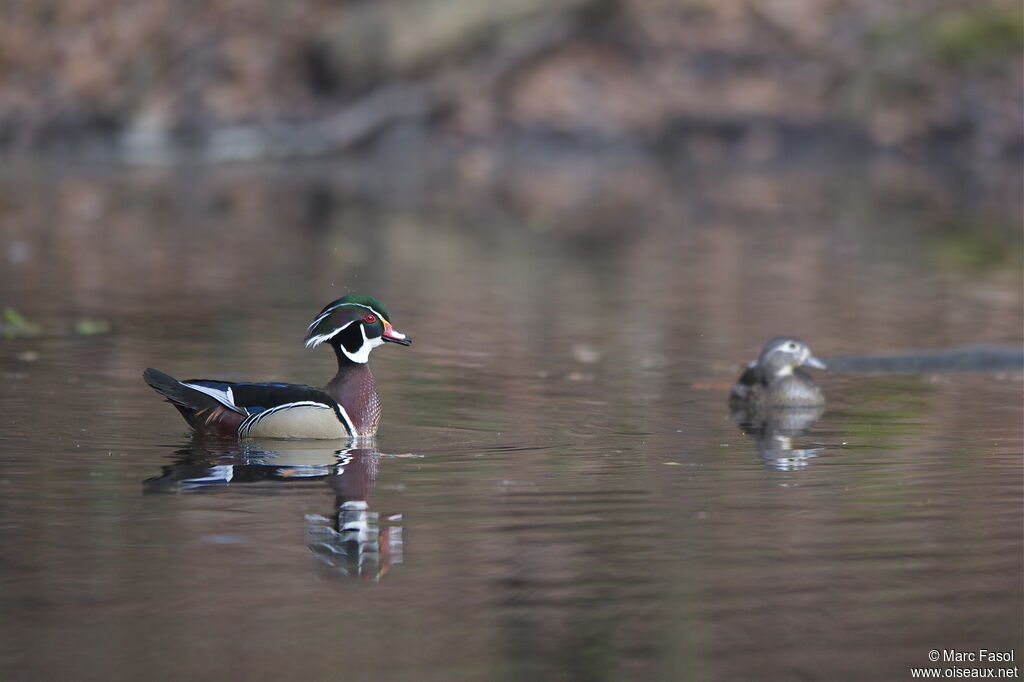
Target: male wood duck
[
  {"x": 774, "y": 380},
  {"x": 347, "y": 407}
]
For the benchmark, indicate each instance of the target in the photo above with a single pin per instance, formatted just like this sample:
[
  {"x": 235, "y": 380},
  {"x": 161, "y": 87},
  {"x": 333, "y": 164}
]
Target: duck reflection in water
[
  {"x": 774, "y": 401},
  {"x": 351, "y": 539},
  {"x": 774, "y": 429}
]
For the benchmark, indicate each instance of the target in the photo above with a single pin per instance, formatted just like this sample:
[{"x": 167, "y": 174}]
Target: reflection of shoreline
[
  {"x": 350, "y": 540},
  {"x": 773, "y": 430}
]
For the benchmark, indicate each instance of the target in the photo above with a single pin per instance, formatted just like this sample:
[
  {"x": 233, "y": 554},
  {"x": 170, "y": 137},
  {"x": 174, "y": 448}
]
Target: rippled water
[{"x": 558, "y": 490}]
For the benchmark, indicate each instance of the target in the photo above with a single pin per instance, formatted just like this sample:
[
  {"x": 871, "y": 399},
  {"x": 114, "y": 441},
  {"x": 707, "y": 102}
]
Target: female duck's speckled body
[
  {"x": 347, "y": 407},
  {"x": 775, "y": 380}
]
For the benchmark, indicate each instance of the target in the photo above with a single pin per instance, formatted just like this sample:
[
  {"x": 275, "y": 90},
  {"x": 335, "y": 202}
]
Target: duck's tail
[
  {"x": 187, "y": 400},
  {"x": 203, "y": 412}
]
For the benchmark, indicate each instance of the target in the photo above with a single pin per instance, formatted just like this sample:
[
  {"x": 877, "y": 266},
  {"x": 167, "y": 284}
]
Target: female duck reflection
[
  {"x": 774, "y": 429},
  {"x": 351, "y": 539},
  {"x": 775, "y": 401}
]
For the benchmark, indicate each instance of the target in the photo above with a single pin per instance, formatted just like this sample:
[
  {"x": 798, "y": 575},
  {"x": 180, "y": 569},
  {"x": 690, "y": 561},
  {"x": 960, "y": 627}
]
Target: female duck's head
[{"x": 780, "y": 355}]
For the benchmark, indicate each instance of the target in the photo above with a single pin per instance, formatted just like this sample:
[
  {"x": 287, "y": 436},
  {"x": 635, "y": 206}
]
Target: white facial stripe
[
  {"x": 363, "y": 350},
  {"x": 317, "y": 340},
  {"x": 325, "y": 314}
]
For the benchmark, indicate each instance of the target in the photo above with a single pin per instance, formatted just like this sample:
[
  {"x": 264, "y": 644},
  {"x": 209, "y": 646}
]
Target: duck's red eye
[{"x": 369, "y": 318}]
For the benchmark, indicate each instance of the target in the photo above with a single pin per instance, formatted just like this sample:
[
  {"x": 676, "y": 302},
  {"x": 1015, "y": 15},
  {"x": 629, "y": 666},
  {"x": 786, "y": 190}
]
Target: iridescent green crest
[{"x": 339, "y": 314}]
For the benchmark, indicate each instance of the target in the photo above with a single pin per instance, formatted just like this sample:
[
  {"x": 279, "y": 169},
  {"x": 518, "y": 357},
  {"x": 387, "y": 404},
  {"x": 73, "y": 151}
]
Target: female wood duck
[
  {"x": 347, "y": 407},
  {"x": 774, "y": 380}
]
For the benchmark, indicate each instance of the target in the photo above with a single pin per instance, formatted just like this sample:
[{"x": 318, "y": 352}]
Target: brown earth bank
[{"x": 257, "y": 79}]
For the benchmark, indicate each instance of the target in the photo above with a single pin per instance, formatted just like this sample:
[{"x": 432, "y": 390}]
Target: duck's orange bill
[{"x": 394, "y": 336}]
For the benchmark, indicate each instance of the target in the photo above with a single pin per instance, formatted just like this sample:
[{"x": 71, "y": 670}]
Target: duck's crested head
[
  {"x": 783, "y": 353},
  {"x": 355, "y": 300},
  {"x": 354, "y": 325}
]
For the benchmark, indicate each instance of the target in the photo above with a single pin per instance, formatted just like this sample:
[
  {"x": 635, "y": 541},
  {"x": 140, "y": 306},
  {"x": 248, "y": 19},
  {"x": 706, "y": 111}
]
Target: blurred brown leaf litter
[{"x": 258, "y": 79}]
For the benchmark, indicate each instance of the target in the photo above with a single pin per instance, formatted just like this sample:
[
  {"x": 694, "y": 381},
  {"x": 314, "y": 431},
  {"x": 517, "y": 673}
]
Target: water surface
[{"x": 558, "y": 490}]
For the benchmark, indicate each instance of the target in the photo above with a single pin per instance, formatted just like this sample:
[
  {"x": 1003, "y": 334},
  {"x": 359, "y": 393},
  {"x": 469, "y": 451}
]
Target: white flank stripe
[{"x": 347, "y": 419}]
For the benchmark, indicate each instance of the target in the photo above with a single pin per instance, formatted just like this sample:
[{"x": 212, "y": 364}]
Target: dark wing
[
  {"x": 253, "y": 397},
  {"x": 750, "y": 382}
]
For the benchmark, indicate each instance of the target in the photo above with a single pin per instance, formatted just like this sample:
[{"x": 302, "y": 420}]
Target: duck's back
[{"x": 751, "y": 386}]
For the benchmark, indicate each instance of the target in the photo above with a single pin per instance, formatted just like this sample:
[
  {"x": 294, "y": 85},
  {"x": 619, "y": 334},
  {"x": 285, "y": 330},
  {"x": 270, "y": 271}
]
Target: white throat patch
[{"x": 784, "y": 371}]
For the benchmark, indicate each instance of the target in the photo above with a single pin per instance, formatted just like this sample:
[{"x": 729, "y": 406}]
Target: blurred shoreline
[{"x": 723, "y": 81}]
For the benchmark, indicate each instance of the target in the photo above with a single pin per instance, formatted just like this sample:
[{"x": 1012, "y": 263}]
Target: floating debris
[
  {"x": 90, "y": 327},
  {"x": 14, "y": 325}
]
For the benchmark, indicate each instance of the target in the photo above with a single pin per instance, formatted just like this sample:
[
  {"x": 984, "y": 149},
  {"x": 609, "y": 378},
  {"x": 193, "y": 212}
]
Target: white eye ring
[{"x": 791, "y": 346}]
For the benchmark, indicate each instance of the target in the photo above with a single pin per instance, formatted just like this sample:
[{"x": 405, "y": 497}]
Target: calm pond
[{"x": 558, "y": 490}]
